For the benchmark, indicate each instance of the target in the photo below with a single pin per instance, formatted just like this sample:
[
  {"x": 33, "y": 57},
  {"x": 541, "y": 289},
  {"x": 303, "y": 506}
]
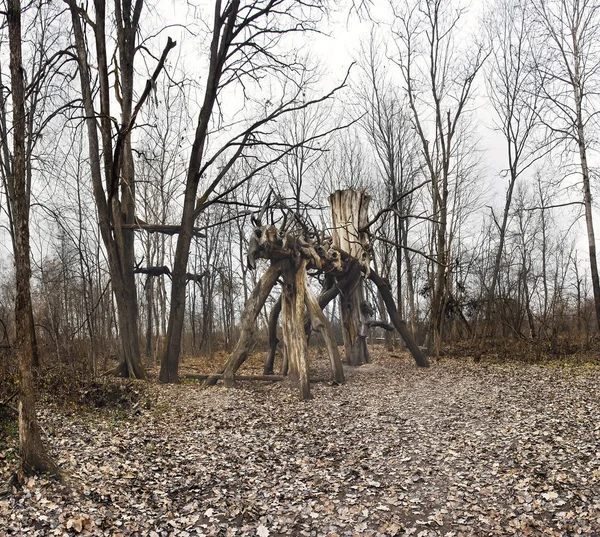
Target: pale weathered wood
[
  {"x": 344, "y": 271},
  {"x": 267, "y": 242},
  {"x": 219, "y": 376},
  {"x": 349, "y": 213},
  {"x": 273, "y": 339},
  {"x": 320, "y": 323},
  {"x": 255, "y": 303},
  {"x": 292, "y": 324}
]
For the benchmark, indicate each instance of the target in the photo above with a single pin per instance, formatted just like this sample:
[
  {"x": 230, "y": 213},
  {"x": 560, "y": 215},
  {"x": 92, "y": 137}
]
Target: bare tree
[
  {"x": 511, "y": 82},
  {"x": 33, "y": 454},
  {"x": 386, "y": 120},
  {"x": 246, "y": 44},
  {"x": 160, "y": 166},
  {"x": 111, "y": 157},
  {"x": 438, "y": 75},
  {"x": 570, "y": 71}
]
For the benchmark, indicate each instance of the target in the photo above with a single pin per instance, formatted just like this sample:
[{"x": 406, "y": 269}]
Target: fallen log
[
  {"x": 217, "y": 377},
  {"x": 260, "y": 378}
]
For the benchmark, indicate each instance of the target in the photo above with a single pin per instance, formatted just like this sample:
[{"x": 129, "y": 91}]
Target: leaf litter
[{"x": 456, "y": 450}]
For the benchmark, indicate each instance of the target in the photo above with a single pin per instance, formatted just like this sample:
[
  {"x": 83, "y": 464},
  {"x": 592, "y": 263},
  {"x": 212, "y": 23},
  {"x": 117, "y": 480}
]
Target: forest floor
[{"x": 460, "y": 449}]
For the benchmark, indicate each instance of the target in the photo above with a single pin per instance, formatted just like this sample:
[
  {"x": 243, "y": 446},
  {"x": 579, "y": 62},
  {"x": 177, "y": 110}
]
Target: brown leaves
[
  {"x": 458, "y": 450},
  {"x": 80, "y": 523}
]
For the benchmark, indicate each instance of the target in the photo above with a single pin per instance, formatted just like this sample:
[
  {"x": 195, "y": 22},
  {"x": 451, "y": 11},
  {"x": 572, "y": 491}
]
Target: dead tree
[
  {"x": 349, "y": 212},
  {"x": 33, "y": 454},
  {"x": 253, "y": 306},
  {"x": 291, "y": 255},
  {"x": 295, "y": 347}
]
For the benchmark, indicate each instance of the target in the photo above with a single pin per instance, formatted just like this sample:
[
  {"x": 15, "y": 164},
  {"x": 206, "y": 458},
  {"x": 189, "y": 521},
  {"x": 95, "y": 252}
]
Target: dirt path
[{"x": 459, "y": 449}]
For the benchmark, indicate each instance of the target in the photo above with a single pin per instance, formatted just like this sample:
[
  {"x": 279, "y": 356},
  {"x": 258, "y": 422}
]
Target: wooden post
[
  {"x": 251, "y": 311},
  {"x": 273, "y": 339},
  {"x": 292, "y": 324},
  {"x": 349, "y": 212},
  {"x": 320, "y": 323}
]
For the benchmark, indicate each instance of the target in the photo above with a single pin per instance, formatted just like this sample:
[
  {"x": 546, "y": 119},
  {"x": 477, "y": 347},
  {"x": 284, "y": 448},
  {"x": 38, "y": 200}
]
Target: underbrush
[
  {"x": 562, "y": 351},
  {"x": 9, "y": 432},
  {"x": 78, "y": 392}
]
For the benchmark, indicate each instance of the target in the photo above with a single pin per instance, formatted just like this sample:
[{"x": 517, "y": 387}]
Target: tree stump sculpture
[{"x": 344, "y": 261}]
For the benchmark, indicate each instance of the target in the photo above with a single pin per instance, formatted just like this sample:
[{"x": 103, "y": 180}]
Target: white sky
[{"x": 336, "y": 51}]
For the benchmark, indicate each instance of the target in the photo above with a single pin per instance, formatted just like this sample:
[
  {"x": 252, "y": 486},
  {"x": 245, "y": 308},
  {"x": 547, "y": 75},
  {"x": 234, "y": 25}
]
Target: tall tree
[
  {"x": 570, "y": 72},
  {"x": 33, "y": 454},
  {"x": 110, "y": 152},
  {"x": 438, "y": 75},
  {"x": 511, "y": 84},
  {"x": 247, "y": 43},
  {"x": 386, "y": 120}
]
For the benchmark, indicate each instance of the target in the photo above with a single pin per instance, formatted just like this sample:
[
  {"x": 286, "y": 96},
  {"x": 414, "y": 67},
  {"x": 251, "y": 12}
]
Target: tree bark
[
  {"x": 292, "y": 324},
  {"x": 273, "y": 339},
  {"x": 320, "y": 323},
  {"x": 34, "y": 457},
  {"x": 222, "y": 38},
  {"x": 349, "y": 211}
]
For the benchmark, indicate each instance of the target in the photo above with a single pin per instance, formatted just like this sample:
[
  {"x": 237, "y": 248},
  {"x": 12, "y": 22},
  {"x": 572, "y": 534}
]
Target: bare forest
[{"x": 279, "y": 267}]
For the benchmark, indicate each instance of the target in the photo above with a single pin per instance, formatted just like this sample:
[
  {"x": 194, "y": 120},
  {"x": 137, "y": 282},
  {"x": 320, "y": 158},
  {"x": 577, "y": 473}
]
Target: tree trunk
[
  {"x": 223, "y": 24},
  {"x": 349, "y": 211},
  {"x": 33, "y": 454},
  {"x": 251, "y": 311},
  {"x": 273, "y": 339},
  {"x": 112, "y": 213},
  {"x": 410, "y": 289},
  {"x": 292, "y": 325},
  {"x": 320, "y": 323},
  {"x": 587, "y": 202},
  {"x": 149, "y": 320},
  {"x": 386, "y": 293}
]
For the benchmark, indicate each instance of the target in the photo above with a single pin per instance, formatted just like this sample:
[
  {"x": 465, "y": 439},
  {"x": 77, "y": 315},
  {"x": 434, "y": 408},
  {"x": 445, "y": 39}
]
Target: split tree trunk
[
  {"x": 292, "y": 325},
  {"x": 349, "y": 211},
  {"x": 318, "y": 322}
]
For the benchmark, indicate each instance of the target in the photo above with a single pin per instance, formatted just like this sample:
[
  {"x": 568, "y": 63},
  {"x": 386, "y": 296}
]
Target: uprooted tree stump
[{"x": 344, "y": 260}]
